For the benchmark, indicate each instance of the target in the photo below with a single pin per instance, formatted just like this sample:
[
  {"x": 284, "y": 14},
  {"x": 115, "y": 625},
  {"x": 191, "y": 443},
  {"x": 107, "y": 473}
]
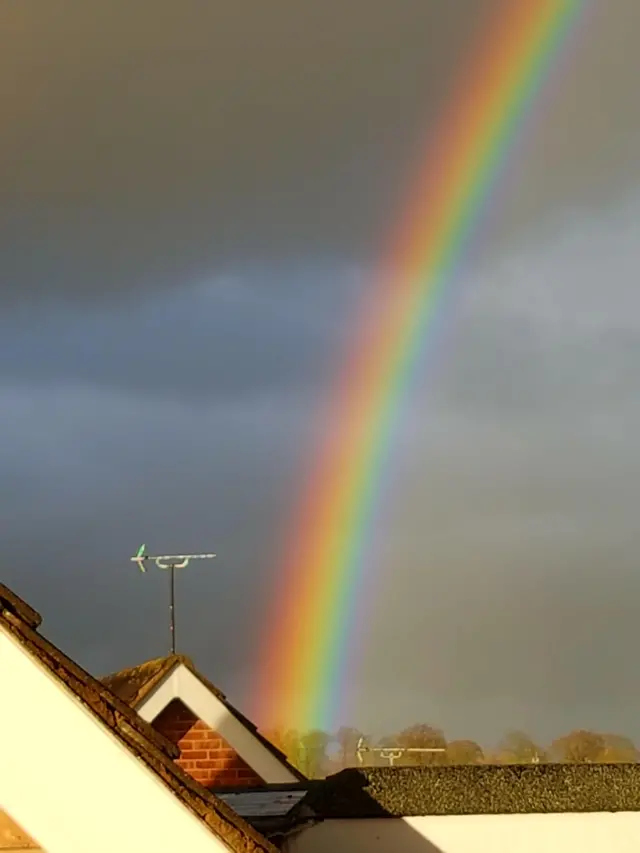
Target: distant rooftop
[{"x": 134, "y": 684}]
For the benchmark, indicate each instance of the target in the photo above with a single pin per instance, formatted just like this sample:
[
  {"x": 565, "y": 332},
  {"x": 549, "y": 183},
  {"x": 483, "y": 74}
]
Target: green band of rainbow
[{"x": 308, "y": 633}]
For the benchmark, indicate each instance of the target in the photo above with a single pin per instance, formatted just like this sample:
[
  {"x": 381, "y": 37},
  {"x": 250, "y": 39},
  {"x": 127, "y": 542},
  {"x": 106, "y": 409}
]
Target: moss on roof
[
  {"x": 477, "y": 789},
  {"x": 132, "y": 685}
]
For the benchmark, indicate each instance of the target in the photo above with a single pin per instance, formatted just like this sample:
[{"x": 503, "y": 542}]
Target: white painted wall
[
  {"x": 70, "y": 782},
  {"x": 598, "y": 832},
  {"x": 182, "y": 684}
]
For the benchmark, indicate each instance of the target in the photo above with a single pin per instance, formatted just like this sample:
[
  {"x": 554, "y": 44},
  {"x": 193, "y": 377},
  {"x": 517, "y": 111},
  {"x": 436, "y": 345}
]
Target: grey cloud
[
  {"x": 551, "y": 332},
  {"x": 146, "y": 145},
  {"x": 249, "y": 334},
  {"x": 510, "y": 520},
  {"x": 95, "y": 473}
]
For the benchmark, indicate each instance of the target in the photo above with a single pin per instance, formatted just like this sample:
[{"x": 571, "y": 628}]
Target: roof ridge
[
  {"x": 121, "y": 711},
  {"x": 19, "y": 607},
  {"x": 136, "y": 734},
  {"x": 173, "y": 658}
]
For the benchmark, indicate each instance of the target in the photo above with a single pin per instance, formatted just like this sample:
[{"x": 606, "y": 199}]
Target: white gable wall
[
  {"x": 597, "y": 832},
  {"x": 71, "y": 783},
  {"x": 182, "y": 684}
]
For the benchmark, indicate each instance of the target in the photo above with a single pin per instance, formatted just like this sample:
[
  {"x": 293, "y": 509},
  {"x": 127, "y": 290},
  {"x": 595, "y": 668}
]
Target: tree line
[{"x": 317, "y": 753}]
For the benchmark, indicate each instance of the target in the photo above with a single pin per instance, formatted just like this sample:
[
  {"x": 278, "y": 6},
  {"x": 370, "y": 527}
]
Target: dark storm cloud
[
  {"x": 147, "y": 142},
  {"x": 511, "y": 524},
  {"x": 186, "y": 146},
  {"x": 152, "y": 143},
  {"x": 225, "y": 338},
  {"x": 95, "y": 473}
]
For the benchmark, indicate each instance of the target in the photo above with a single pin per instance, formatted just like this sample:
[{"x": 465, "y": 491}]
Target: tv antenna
[
  {"x": 169, "y": 562},
  {"x": 392, "y": 753}
]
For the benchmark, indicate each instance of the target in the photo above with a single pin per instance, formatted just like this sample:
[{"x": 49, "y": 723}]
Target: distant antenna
[
  {"x": 169, "y": 562},
  {"x": 391, "y": 753}
]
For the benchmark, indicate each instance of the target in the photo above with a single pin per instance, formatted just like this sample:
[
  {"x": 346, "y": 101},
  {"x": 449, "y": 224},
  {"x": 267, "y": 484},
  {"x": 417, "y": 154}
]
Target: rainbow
[{"x": 310, "y": 628}]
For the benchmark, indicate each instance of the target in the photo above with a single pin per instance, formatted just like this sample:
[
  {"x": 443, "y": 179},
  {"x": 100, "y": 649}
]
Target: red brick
[
  {"x": 203, "y": 753},
  {"x": 227, "y": 754},
  {"x": 215, "y": 764},
  {"x": 226, "y": 776},
  {"x": 201, "y": 776},
  {"x": 247, "y": 773},
  {"x": 194, "y": 754},
  {"x": 210, "y": 744}
]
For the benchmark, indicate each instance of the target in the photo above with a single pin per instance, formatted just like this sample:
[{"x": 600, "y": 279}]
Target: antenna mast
[{"x": 169, "y": 562}]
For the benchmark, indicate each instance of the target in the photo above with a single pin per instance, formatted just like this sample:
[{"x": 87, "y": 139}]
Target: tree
[
  {"x": 288, "y": 742},
  {"x": 348, "y": 739},
  {"x": 618, "y": 748},
  {"x": 375, "y": 759},
  {"x": 422, "y": 736},
  {"x": 518, "y": 748},
  {"x": 464, "y": 752},
  {"x": 579, "y": 746},
  {"x": 313, "y": 753},
  {"x": 277, "y": 738}
]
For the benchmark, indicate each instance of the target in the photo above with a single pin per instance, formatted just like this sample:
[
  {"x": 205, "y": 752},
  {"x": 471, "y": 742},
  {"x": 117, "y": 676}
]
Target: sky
[{"x": 194, "y": 197}]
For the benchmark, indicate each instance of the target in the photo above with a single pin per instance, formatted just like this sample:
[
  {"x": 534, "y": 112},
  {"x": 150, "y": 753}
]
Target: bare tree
[
  {"x": 579, "y": 746},
  {"x": 464, "y": 752},
  {"x": 348, "y": 739},
  {"x": 518, "y": 748}
]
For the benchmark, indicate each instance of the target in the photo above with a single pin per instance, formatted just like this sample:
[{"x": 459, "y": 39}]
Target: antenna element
[{"x": 168, "y": 562}]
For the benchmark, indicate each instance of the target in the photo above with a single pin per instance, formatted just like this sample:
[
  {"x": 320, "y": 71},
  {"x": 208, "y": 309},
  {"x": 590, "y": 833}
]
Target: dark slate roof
[
  {"x": 22, "y": 622},
  {"x": 134, "y": 684},
  {"x": 263, "y": 803},
  {"x": 476, "y": 789},
  {"x": 276, "y": 811}
]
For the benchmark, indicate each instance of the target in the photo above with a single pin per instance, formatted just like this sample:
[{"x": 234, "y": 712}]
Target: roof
[
  {"x": 255, "y": 804},
  {"x": 275, "y": 810},
  {"x": 476, "y": 789},
  {"x": 22, "y": 622},
  {"x": 133, "y": 685}
]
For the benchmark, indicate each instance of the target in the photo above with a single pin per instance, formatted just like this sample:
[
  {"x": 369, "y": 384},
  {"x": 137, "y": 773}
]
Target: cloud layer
[
  {"x": 145, "y": 146},
  {"x": 193, "y": 204}
]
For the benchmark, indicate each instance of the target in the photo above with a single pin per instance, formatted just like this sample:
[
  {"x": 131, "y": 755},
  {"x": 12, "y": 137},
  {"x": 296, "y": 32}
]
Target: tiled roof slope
[
  {"x": 134, "y": 684},
  {"x": 476, "y": 789},
  {"x": 22, "y": 622}
]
